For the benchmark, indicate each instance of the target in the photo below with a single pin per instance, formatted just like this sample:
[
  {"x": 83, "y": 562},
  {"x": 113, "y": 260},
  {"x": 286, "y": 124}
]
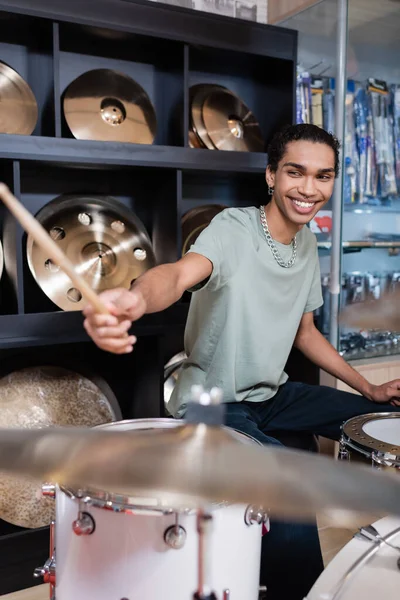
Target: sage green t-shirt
[{"x": 243, "y": 320}]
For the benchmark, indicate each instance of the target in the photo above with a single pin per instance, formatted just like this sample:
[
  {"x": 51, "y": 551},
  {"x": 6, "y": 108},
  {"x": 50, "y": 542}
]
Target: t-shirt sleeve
[
  {"x": 315, "y": 298},
  {"x": 219, "y": 243}
]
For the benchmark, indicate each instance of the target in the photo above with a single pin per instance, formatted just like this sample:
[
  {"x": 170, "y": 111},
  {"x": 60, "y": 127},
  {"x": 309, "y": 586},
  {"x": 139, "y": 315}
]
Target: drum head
[
  {"x": 375, "y": 433},
  {"x": 45, "y": 396},
  {"x": 120, "y": 503}
]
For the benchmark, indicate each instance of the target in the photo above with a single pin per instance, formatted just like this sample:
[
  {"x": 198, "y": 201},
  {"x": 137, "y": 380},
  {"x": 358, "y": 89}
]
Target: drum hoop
[
  {"x": 353, "y": 431},
  {"x": 120, "y": 503}
]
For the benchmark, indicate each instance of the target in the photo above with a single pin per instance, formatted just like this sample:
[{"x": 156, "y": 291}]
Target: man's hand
[
  {"x": 386, "y": 392},
  {"x": 110, "y": 332}
]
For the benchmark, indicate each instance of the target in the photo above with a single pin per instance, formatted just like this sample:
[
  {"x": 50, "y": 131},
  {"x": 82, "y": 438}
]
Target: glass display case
[{"x": 368, "y": 218}]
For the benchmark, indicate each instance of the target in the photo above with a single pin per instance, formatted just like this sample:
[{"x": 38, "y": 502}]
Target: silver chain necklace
[{"x": 272, "y": 245}]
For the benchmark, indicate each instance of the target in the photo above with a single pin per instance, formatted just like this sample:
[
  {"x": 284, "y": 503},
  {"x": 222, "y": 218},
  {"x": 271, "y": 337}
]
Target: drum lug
[
  {"x": 175, "y": 536},
  {"x": 49, "y": 490},
  {"x": 84, "y": 524},
  {"x": 48, "y": 571},
  {"x": 262, "y": 592},
  {"x": 343, "y": 453},
  {"x": 255, "y": 515},
  {"x": 226, "y": 595}
]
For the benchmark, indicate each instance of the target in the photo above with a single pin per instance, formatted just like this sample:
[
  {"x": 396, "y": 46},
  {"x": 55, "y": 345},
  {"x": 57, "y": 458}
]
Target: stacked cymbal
[
  {"x": 105, "y": 241},
  {"x": 219, "y": 120},
  {"x": 106, "y": 105},
  {"x": 18, "y": 106}
]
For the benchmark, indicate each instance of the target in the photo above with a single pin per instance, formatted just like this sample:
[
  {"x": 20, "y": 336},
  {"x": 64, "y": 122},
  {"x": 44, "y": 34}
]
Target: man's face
[{"x": 304, "y": 180}]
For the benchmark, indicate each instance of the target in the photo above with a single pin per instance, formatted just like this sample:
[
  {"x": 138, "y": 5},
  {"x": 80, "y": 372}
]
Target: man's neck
[{"x": 281, "y": 229}]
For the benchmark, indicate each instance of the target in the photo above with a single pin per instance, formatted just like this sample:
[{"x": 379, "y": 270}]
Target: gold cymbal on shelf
[
  {"x": 230, "y": 124},
  {"x": 106, "y": 242},
  {"x": 106, "y": 105},
  {"x": 197, "y": 95},
  {"x": 18, "y": 106},
  {"x": 195, "y": 220}
]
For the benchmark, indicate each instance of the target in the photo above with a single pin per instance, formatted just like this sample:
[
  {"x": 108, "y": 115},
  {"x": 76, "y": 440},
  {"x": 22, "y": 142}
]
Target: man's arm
[
  {"x": 154, "y": 291},
  {"x": 315, "y": 347}
]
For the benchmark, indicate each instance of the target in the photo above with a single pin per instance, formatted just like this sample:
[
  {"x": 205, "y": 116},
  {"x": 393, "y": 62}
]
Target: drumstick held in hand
[{"x": 43, "y": 239}]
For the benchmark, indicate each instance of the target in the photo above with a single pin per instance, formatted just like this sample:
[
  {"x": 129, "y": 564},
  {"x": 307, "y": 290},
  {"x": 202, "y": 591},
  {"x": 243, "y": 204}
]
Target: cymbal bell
[
  {"x": 106, "y": 242},
  {"x": 383, "y": 314},
  {"x": 106, "y": 105},
  {"x": 199, "y": 137},
  {"x": 18, "y": 106},
  {"x": 193, "y": 464},
  {"x": 230, "y": 124}
]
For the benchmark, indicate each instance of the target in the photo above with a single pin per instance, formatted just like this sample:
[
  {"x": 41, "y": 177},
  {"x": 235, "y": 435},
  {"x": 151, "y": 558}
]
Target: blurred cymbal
[
  {"x": 230, "y": 124},
  {"x": 45, "y": 396},
  {"x": 195, "y": 220},
  {"x": 381, "y": 314},
  {"x": 18, "y": 106},
  {"x": 194, "y": 463},
  {"x": 105, "y": 240},
  {"x": 103, "y": 104},
  {"x": 197, "y": 95}
]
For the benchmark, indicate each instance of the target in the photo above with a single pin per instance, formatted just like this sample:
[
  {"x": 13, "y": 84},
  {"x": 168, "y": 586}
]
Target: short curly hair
[{"x": 296, "y": 133}]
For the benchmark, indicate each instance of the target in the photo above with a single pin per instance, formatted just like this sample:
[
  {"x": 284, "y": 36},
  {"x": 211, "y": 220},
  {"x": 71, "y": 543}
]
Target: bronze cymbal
[
  {"x": 230, "y": 124},
  {"x": 382, "y": 314},
  {"x": 195, "y": 220},
  {"x": 18, "y": 106},
  {"x": 197, "y": 95},
  {"x": 105, "y": 240},
  {"x": 38, "y": 397},
  {"x": 103, "y": 104},
  {"x": 193, "y": 464}
]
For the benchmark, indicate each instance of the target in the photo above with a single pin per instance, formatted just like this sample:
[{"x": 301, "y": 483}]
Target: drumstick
[{"x": 43, "y": 239}]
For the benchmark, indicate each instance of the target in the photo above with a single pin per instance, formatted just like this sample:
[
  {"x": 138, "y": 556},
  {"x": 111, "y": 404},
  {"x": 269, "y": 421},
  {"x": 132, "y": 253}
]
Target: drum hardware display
[
  {"x": 105, "y": 241},
  {"x": 219, "y": 120},
  {"x": 18, "y": 108},
  {"x": 373, "y": 438},
  {"x": 106, "y": 105}
]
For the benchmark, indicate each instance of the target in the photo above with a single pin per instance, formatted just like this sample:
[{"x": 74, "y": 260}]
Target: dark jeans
[{"x": 291, "y": 559}]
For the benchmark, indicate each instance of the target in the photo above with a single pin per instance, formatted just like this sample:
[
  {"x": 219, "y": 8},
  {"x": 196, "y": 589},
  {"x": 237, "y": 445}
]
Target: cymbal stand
[{"x": 204, "y": 530}]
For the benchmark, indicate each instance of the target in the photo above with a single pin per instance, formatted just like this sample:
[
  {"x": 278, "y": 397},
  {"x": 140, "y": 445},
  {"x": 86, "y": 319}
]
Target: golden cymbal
[
  {"x": 38, "y": 397},
  {"x": 105, "y": 240},
  {"x": 197, "y": 95},
  {"x": 103, "y": 104},
  {"x": 230, "y": 124},
  {"x": 195, "y": 220},
  {"x": 18, "y": 106},
  {"x": 382, "y": 314},
  {"x": 193, "y": 464}
]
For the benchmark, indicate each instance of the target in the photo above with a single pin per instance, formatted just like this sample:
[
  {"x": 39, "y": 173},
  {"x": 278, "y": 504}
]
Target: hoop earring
[{"x": 270, "y": 190}]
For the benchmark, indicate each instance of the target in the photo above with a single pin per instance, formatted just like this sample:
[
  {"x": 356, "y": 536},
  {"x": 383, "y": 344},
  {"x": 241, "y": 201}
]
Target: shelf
[
  {"x": 93, "y": 153},
  {"x": 18, "y": 331},
  {"x": 361, "y": 244}
]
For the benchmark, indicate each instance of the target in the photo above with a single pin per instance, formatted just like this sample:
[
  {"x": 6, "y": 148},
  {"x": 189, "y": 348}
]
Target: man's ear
[{"x": 270, "y": 177}]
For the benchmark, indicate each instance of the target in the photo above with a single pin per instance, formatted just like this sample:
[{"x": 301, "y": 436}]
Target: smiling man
[{"x": 254, "y": 274}]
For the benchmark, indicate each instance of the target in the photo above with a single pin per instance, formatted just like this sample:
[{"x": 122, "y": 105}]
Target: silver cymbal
[
  {"x": 383, "y": 314},
  {"x": 194, "y": 463}
]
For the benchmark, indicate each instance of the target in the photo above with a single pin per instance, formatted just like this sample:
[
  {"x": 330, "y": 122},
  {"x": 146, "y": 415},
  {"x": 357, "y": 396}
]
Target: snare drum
[
  {"x": 111, "y": 547},
  {"x": 373, "y": 438}
]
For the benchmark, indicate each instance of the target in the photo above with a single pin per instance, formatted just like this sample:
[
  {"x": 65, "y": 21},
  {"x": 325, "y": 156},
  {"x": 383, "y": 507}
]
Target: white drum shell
[
  {"x": 378, "y": 579},
  {"x": 126, "y": 556}
]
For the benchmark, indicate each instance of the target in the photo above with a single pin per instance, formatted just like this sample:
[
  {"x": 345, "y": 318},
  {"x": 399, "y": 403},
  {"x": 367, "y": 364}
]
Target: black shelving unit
[{"x": 166, "y": 50}]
